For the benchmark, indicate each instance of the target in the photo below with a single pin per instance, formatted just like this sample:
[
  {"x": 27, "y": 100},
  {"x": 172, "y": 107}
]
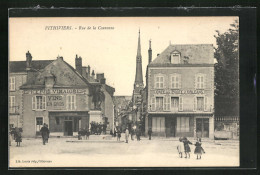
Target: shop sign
[
  {"x": 178, "y": 91},
  {"x": 55, "y": 101},
  {"x": 55, "y": 91}
]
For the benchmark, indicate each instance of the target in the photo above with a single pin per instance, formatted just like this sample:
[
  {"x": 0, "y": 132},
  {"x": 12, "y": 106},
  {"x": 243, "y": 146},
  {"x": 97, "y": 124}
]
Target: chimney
[
  {"x": 78, "y": 64},
  {"x": 93, "y": 74},
  {"x": 60, "y": 58},
  {"x": 101, "y": 78},
  {"x": 88, "y": 71},
  {"x": 84, "y": 71},
  {"x": 28, "y": 61},
  {"x": 150, "y": 52}
]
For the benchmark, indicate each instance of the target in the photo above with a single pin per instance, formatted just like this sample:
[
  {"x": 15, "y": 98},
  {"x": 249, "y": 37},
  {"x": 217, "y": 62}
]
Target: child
[
  {"x": 180, "y": 147},
  {"x": 186, "y": 143},
  {"x": 198, "y": 150}
]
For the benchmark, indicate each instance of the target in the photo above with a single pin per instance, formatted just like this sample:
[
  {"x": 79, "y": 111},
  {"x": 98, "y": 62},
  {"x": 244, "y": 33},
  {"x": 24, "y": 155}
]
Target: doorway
[
  {"x": 202, "y": 127},
  {"x": 68, "y": 128},
  {"x": 170, "y": 126}
]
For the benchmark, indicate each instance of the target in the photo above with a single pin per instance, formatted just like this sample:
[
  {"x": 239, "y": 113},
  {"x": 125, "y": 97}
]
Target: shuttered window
[
  {"x": 159, "y": 81},
  {"x": 39, "y": 102},
  {"x": 71, "y": 102},
  {"x": 12, "y": 83},
  {"x": 200, "y": 81},
  {"x": 175, "y": 81}
]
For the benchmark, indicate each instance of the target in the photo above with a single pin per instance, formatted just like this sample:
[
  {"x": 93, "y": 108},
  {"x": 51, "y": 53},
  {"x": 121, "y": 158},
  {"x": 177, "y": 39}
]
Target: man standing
[
  {"x": 150, "y": 133},
  {"x": 45, "y": 133},
  {"x": 126, "y": 135}
]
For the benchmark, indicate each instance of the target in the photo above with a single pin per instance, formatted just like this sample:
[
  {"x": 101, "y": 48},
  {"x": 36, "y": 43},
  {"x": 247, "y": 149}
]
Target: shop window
[
  {"x": 183, "y": 124},
  {"x": 158, "y": 124},
  {"x": 159, "y": 81},
  {"x": 175, "y": 81},
  {"x": 12, "y": 83},
  {"x": 71, "y": 102},
  {"x": 39, "y": 123},
  {"x": 159, "y": 103},
  {"x": 57, "y": 119},
  {"x": 39, "y": 102},
  {"x": 200, "y": 81}
]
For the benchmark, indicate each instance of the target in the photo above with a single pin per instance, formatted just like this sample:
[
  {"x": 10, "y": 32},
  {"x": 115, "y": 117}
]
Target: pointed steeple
[{"x": 139, "y": 72}]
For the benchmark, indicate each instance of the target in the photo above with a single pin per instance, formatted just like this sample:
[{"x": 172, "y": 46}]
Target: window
[
  {"x": 175, "y": 81},
  {"x": 12, "y": 104},
  {"x": 200, "y": 103},
  {"x": 39, "y": 123},
  {"x": 158, "y": 124},
  {"x": 159, "y": 103},
  {"x": 71, "y": 102},
  {"x": 57, "y": 119},
  {"x": 159, "y": 81},
  {"x": 200, "y": 81},
  {"x": 153, "y": 104},
  {"x": 39, "y": 102},
  {"x": 12, "y": 83},
  {"x": 183, "y": 124},
  {"x": 175, "y": 58},
  {"x": 175, "y": 104}
]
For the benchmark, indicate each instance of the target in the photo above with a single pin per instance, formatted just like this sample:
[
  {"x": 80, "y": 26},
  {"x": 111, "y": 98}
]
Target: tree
[{"x": 226, "y": 72}]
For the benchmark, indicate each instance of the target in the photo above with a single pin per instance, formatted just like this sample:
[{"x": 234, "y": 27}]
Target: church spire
[{"x": 139, "y": 72}]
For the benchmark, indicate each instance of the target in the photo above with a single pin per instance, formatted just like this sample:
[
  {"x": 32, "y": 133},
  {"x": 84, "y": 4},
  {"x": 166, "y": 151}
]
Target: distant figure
[
  {"x": 111, "y": 132},
  {"x": 126, "y": 135},
  {"x": 180, "y": 147},
  {"x": 18, "y": 136},
  {"x": 87, "y": 134},
  {"x": 198, "y": 150},
  {"x": 80, "y": 133},
  {"x": 132, "y": 133},
  {"x": 186, "y": 143},
  {"x": 118, "y": 135},
  {"x": 150, "y": 133},
  {"x": 114, "y": 132},
  {"x": 138, "y": 134},
  {"x": 104, "y": 129},
  {"x": 45, "y": 133},
  {"x": 48, "y": 134}
]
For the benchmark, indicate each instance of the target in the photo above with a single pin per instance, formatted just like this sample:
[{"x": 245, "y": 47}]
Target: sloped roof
[
  {"x": 196, "y": 54},
  {"x": 20, "y": 66}
]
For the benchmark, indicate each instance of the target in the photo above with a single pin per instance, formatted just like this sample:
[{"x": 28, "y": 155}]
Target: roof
[
  {"x": 195, "y": 53},
  {"x": 20, "y": 66}
]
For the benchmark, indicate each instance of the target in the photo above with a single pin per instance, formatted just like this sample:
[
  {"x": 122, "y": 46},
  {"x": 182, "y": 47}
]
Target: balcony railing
[{"x": 14, "y": 110}]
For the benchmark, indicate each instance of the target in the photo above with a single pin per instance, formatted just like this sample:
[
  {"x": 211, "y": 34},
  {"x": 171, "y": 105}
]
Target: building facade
[
  {"x": 62, "y": 97},
  {"x": 180, "y": 92}
]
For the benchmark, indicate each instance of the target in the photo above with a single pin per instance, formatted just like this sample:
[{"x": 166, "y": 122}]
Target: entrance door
[
  {"x": 170, "y": 126},
  {"x": 68, "y": 128},
  {"x": 202, "y": 127}
]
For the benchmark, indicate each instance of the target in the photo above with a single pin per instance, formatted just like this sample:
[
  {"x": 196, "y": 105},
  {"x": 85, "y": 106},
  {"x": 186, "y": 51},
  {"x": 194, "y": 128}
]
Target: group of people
[
  {"x": 183, "y": 147},
  {"x": 83, "y": 133},
  {"x": 15, "y": 133},
  {"x": 98, "y": 128}
]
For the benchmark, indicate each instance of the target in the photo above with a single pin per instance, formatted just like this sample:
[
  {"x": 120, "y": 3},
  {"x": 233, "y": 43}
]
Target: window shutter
[
  {"x": 168, "y": 103},
  {"x": 195, "y": 82},
  {"x": 75, "y": 107},
  {"x": 153, "y": 104},
  {"x": 164, "y": 81},
  {"x": 170, "y": 85},
  {"x": 204, "y": 81},
  {"x": 67, "y": 101},
  {"x": 14, "y": 83},
  {"x": 195, "y": 103},
  {"x": 44, "y": 102},
  {"x": 33, "y": 103},
  {"x": 179, "y": 81},
  {"x": 205, "y": 103},
  {"x": 180, "y": 104}
]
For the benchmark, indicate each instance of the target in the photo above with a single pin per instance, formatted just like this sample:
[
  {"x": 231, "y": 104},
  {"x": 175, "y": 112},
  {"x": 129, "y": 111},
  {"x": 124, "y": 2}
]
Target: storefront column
[{"x": 211, "y": 127}]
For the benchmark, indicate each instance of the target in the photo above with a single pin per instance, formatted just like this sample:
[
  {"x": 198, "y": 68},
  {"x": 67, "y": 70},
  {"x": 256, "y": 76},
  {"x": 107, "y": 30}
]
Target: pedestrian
[
  {"x": 10, "y": 138},
  {"x": 186, "y": 143},
  {"x": 132, "y": 133},
  {"x": 18, "y": 136},
  {"x": 45, "y": 133},
  {"x": 80, "y": 134},
  {"x": 138, "y": 134},
  {"x": 180, "y": 147},
  {"x": 87, "y": 134},
  {"x": 47, "y": 139},
  {"x": 114, "y": 132},
  {"x": 126, "y": 135},
  {"x": 198, "y": 150},
  {"x": 118, "y": 134},
  {"x": 150, "y": 133}
]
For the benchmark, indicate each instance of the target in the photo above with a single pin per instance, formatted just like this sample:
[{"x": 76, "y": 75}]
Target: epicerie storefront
[{"x": 65, "y": 110}]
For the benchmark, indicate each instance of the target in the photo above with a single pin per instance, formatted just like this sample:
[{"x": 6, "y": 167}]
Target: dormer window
[{"x": 175, "y": 57}]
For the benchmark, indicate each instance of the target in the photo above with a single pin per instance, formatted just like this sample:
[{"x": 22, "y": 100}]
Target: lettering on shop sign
[
  {"x": 56, "y": 91},
  {"x": 55, "y": 101},
  {"x": 177, "y": 91}
]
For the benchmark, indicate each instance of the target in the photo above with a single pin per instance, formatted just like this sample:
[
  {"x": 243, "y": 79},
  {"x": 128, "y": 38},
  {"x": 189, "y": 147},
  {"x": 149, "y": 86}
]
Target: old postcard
[{"x": 124, "y": 92}]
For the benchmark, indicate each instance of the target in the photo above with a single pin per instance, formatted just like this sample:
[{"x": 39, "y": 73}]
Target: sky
[{"x": 109, "y": 51}]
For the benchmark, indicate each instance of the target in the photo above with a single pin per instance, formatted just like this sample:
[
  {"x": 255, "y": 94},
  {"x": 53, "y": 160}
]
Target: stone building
[
  {"x": 180, "y": 91},
  {"x": 62, "y": 97}
]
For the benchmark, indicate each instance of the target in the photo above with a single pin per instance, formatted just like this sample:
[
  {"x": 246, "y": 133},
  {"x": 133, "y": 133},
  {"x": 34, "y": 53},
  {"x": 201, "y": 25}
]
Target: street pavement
[{"x": 158, "y": 152}]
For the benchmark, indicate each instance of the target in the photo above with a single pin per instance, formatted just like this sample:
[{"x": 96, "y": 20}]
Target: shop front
[{"x": 68, "y": 123}]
